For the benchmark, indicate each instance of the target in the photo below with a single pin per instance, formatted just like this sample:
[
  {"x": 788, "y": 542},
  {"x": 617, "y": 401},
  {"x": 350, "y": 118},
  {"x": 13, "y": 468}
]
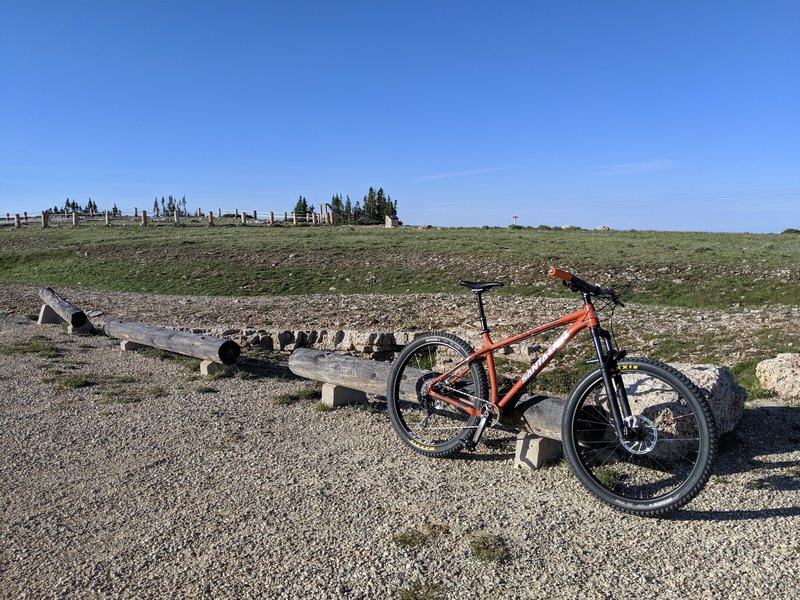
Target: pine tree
[
  {"x": 337, "y": 208},
  {"x": 348, "y": 210},
  {"x": 155, "y": 207},
  {"x": 380, "y": 205},
  {"x": 163, "y": 206},
  {"x": 301, "y": 208}
]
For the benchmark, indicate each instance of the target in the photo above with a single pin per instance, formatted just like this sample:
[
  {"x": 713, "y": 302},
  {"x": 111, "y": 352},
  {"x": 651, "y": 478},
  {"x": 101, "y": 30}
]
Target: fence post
[
  {"x": 108, "y": 219},
  {"x": 144, "y": 218},
  {"x": 271, "y": 218},
  {"x": 45, "y": 219},
  {"x": 294, "y": 218},
  {"x": 255, "y": 216},
  {"x": 16, "y": 221},
  {"x": 177, "y": 217},
  {"x": 219, "y": 213},
  {"x": 74, "y": 219},
  {"x": 244, "y": 218},
  {"x": 210, "y": 219},
  {"x": 237, "y": 212}
]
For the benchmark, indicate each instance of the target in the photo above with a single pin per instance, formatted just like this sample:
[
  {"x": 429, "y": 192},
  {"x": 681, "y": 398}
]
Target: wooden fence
[{"x": 65, "y": 218}]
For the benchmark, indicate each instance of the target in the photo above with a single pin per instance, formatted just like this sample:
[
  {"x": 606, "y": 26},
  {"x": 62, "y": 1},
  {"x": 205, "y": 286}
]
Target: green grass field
[{"x": 674, "y": 269}]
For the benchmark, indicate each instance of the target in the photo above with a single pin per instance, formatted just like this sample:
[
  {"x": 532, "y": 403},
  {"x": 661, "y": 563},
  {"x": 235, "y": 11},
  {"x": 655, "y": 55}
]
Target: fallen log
[
  {"x": 190, "y": 344},
  {"x": 534, "y": 414},
  {"x": 71, "y": 314},
  {"x": 369, "y": 376}
]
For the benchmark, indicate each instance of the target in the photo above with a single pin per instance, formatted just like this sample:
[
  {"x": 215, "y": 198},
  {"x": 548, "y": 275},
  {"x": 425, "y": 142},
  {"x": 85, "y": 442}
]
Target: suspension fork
[{"x": 612, "y": 379}]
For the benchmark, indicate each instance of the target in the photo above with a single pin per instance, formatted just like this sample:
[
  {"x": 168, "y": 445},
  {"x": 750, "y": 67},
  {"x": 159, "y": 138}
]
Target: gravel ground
[{"x": 154, "y": 483}]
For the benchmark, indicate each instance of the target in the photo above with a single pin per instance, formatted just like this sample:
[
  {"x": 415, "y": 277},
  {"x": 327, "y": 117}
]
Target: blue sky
[{"x": 680, "y": 115}]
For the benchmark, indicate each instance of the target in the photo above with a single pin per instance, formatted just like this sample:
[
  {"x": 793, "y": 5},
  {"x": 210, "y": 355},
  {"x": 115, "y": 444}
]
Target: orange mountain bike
[{"x": 637, "y": 433}]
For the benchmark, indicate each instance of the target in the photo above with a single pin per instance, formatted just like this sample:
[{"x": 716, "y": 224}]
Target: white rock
[
  {"x": 780, "y": 375},
  {"x": 724, "y": 395}
]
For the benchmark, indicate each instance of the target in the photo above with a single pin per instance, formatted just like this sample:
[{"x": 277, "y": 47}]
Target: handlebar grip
[{"x": 559, "y": 274}]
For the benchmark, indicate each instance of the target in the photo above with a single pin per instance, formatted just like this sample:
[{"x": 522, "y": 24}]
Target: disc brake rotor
[{"x": 644, "y": 435}]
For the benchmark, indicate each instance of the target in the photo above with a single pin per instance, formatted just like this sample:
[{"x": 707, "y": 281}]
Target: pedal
[{"x": 478, "y": 431}]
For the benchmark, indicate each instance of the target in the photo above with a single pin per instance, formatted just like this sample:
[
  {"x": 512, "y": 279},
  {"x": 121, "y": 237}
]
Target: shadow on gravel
[
  {"x": 732, "y": 515},
  {"x": 762, "y": 445},
  {"x": 762, "y": 433},
  {"x": 264, "y": 366}
]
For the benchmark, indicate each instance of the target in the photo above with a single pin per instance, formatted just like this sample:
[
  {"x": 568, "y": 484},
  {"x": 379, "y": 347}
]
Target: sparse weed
[
  {"x": 413, "y": 537},
  {"x": 422, "y": 591},
  {"x": 73, "y": 382},
  {"x": 487, "y": 547},
  {"x": 38, "y": 345},
  {"x": 609, "y": 477},
  {"x": 410, "y": 538}
]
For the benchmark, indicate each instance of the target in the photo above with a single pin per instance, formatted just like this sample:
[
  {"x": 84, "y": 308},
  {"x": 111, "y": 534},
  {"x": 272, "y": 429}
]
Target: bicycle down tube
[{"x": 585, "y": 318}]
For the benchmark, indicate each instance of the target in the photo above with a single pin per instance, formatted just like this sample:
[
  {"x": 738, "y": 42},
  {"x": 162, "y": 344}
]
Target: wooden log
[
  {"x": 369, "y": 376},
  {"x": 535, "y": 414},
  {"x": 191, "y": 344},
  {"x": 70, "y": 313}
]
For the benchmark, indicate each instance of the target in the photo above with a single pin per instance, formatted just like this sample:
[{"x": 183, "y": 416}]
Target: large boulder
[
  {"x": 724, "y": 395},
  {"x": 780, "y": 375}
]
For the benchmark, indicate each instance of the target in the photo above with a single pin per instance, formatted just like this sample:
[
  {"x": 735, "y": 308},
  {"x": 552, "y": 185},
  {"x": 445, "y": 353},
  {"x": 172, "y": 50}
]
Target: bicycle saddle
[{"x": 478, "y": 287}]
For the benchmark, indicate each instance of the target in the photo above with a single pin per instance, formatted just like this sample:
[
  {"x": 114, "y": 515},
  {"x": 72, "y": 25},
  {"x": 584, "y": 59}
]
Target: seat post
[{"x": 481, "y": 314}]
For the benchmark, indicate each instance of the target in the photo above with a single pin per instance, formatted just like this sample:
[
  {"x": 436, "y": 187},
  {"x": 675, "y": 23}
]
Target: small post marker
[
  {"x": 534, "y": 451},
  {"x": 47, "y": 316},
  {"x": 210, "y": 368},
  {"x": 337, "y": 395}
]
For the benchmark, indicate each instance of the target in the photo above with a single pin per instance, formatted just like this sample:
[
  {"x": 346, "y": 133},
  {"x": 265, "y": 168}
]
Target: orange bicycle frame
[{"x": 576, "y": 322}]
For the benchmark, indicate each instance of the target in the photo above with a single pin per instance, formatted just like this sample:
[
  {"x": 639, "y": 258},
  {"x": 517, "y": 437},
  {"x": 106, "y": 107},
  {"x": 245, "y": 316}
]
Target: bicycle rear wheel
[
  {"x": 666, "y": 460},
  {"x": 427, "y": 425}
]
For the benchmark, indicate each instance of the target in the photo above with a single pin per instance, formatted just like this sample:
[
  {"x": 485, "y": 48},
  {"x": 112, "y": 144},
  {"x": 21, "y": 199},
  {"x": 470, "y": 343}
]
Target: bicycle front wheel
[
  {"x": 428, "y": 425},
  {"x": 666, "y": 458}
]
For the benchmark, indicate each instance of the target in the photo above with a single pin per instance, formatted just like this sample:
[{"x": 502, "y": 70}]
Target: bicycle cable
[{"x": 613, "y": 300}]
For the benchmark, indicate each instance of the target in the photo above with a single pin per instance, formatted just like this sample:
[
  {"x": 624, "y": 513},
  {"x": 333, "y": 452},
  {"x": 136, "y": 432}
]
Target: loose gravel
[{"x": 150, "y": 482}]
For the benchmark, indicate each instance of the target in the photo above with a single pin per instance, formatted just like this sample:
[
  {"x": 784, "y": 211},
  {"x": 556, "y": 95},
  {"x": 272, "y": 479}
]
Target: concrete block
[
  {"x": 534, "y": 451},
  {"x": 128, "y": 346},
  {"x": 336, "y": 395},
  {"x": 209, "y": 368},
  {"x": 47, "y": 316}
]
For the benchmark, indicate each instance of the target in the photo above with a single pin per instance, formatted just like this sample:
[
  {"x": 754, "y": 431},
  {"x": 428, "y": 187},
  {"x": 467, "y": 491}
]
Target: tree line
[
  {"x": 73, "y": 206},
  {"x": 374, "y": 207}
]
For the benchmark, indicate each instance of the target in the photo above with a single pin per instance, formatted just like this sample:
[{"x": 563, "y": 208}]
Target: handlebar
[{"x": 576, "y": 284}]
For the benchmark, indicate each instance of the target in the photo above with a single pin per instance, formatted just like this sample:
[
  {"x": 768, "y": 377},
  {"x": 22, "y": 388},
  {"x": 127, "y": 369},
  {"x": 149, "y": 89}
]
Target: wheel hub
[{"x": 642, "y": 435}]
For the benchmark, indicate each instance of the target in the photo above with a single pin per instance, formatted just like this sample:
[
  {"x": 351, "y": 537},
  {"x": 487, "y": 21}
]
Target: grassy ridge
[{"x": 679, "y": 269}]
